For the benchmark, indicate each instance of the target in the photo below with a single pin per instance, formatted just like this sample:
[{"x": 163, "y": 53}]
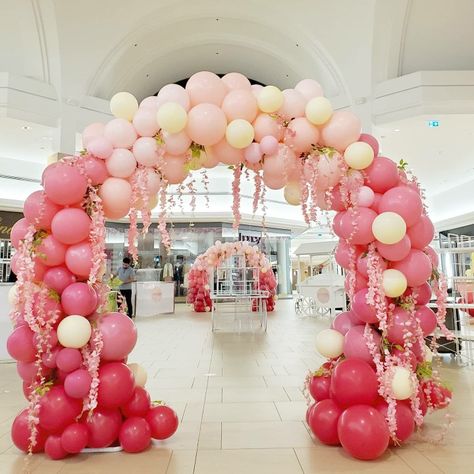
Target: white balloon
[
  {"x": 74, "y": 331},
  {"x": 402, "y": 384},
  {"x": 13, "y": 295},
  {"x": 124, "y": 105},
  {"x": 394, "y": 283},
  {"x": 330, "y": 343},
  {"x": 139, "y": 374}
]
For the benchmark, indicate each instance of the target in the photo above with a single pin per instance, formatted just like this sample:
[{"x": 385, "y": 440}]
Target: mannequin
[{"x": 168, "y": 271}]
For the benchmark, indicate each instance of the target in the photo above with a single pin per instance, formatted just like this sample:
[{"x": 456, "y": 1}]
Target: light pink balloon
[
  {"x": 274, "y": 181},
  {"x": 39, "y": 267},
  {"x": 256, "y": 88},
  {"x": 206, "y": 124},
  {"x": 227, "y": 154},
  {"x": 79, "y": 259},
  {"x": 153, "y": 181},
  {"x": 91, "y": 132},
  {"x": 381, "y": 175},
  {"x": 58, "y": 278},
  {"x": 116, "y": 195},
  {"x": 253, "y": 153},
  {"x": 265, "y": 125},
  {"x": 355, "y": 344},
  {"x": 269, "y": 145},
  {"x": 395, "y": 252},
  {"x": 39, "y": 210},
  {"x": 344, "y": 321},
  {"x": 416, "y": 267},
  {"x": 51, "y": 252},
  {"x": 121, "y": 163},
  {"x": 357, "y": 225},
  {"x": 375, "y": 204},
  {"x": 342, "y": 129},
  {"x": 370, "y": 140},
  {"x": 174, "y": 93},
  {"x": 329, "y": 171},
  {"x": 77, "y": 384},
  {"x": 362, "y": 263},
  {"x": 145, "y": 150},
  {"x": 71, "y": 226},
  {"x": 235, "y": 80},
  {"x": 211, "y": 160},
  {"x": 150, "y": 103},
  {"x": 177, "y": 143},
  {"x": 95, "y": 169},
  {"x": 309, "y": 88},
  {"x": 120, "y": 133},
  {"x": 145, "y": 122},
  {"x": 276, "y": 165},
  {"x": 343, "y": 254},
  {"x": 365, "y": 197},
  {"x": 240, "y": 104},
  {"x": 119, "y": 336},
  {"x": 361, "y": 283},
  {"x": 205, "y": 87},
  {"x": 18, "y": 232},
  {"x": 304, "y": 135},
  {"x": 173, "y": 169},
  {"x": 64, "y": 184},
  {"x": 421, "y": 233},
  {"x": 294, "y": 104},
  {"x": 404, "y": 201},
  {"x": 100, "y": 147}
]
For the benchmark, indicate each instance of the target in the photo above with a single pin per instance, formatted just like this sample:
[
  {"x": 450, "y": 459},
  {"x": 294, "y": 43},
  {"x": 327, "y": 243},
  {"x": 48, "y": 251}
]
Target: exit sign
[{"x": 433, "y": 123}]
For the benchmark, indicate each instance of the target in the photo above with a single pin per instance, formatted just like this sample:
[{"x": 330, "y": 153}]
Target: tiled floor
[{"x": 241, "y": 408}]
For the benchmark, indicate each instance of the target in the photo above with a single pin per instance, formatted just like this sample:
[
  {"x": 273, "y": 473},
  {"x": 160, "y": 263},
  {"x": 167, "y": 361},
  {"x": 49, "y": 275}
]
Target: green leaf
[{"x": 424, "y": 370}]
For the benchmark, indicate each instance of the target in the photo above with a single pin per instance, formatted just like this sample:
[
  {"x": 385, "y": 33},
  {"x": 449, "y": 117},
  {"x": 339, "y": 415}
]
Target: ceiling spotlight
[
  {"x": 396, "y": 129},
  {"x": 26, "y": 128}
]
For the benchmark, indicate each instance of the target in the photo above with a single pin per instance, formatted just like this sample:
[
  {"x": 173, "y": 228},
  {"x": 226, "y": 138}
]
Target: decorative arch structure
[{"x": 379, "y": 369}]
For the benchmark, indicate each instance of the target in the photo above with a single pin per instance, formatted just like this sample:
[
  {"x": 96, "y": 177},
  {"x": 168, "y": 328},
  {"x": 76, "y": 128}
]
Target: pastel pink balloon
[
  {"x": 274, "y": 182},
  {"x": 399, "y": 323},
  {"x": 269, "y": 145},
  {"x": 150, "y": 103},
  {"x": 211, "y": 160},
  {"x": 375, "y": 204},
  {"x": 357, "y": 225},
  {"x": 240, "y": 104},
  {"x": 78, "y": 383},
  {"x": 39, "y": 210},
  {"x": 362, "y": 309},
  {"x": 28, "y": 371},
  {"x": 235, "y": 80},
  {"x": 304, "y": 135},
  {"x": 355, "y": 344},
  {"x": 145, "y": 122},
  {"x": 95, "y": 169},
  {"x": 153, "y": 181},
  {"x": 39, "y": 267},
  {"x": 100, "y": 147},
  {"x": 337, "y": 204},
  {"x": 343, "y": 322},
  {"x": 227, "y": 154},
  {"x": 361, "y": 283},
  {"x": 116, "y": 195},
  {"x": 294, "y": 104},
  {"x": 92, "y": 131},
  {"x": 51, "y": 251},
  {"x": 337, "y": 226},
  {"x": 382, "y": 174},
  {"x": 47, "y": 340},
  {"x": 294, "y": 167},
  {"x": 433, "y": 256},
  {"x": 265, "y": 125},
  {"x": 421, "y": 294},
  {"x": 79, "y": 298},
  {"x": 79, "y": 259},
  {"x": 64, "y": 184},
  {"x": 69, "y": 359},
  {"x": 174, "y": 93},
  {"x": 276, "y": 165},
  {"x": 18, "y": 232},
  {"x": 58, "y": 278},
  {"x": 206, "y": 124},
  {"x": 416, "y": 267},
  {"x": 49, "y": 358},
  {"x": 395, "y": 252},
  {"x": 119, "y": 336},
  {"x": 71, "y": 226},
  {"x": 205, "y": 87},
  {"x": 421, "y": 233},
  {"x": 362, "y": 263},
  {"x": 427, "y": 319},
  {"x": 370, "y": 140},
  {"x": 177, "y": 143},
  {"x": 121, "y": 163},
  {"x": 20, "y": 344},
  {"x": 404, "y": 201},
  {"x": 342, "y": 129},
  {"x": 120, "y": 133},
  {"x": 309, "y": 88},
  {"x": 343, "y": 254},
  {"x": 145, "y": 150},
  {"x": 365, "y": 196},
  {"x": 253, "y": 153},
  {"x": 256, "y": 88},
  {"x": 173, "y": 168},
  {"x": 329, "y": 172}
]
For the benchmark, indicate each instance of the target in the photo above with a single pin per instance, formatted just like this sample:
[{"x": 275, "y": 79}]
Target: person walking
[{"x": 126, "y": 274}]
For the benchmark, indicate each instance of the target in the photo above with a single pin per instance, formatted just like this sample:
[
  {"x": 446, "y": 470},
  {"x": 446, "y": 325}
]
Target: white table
[{"x": 153, "y": 297}]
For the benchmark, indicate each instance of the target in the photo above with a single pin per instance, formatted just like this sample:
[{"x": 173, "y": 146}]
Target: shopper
[{"x": 126, "y": 274}]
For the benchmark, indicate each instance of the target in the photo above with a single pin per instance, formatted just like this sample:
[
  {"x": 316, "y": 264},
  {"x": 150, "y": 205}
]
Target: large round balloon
[
  {"x": 39, "y": 210},
  {"x": 323, "y": 420},
  {"x": 163, "y": 421},
  {"x": 135, "y": 435},
  {"x": 79, "y": 298},
  {"x": 119, "y": 336},
  {"x": 71, "y": 226},
  {"x": 103, "y": 427},
  {"x": 64, "y": 184},
  {"x": 116, "y": 385},
  {"x": 21, "y": 433}
]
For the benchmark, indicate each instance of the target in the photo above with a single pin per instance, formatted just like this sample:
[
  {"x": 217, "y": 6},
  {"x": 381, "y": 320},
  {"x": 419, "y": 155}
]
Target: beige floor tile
[
  {"x": 451, "y": 459},
  {"x": 284, "y": 380},
  {"x": 415, "y": 459},
  {"x": 210, "y": 436},
  {"x": 182, "y": 462},
  {"x": 292, "y": 411},
  {"x": 254, "y": 395},
  {"x": 186, "y": 437},
  {"x": 236, "y": 382},
  {"x": 193, "y": 412},
  {"x": 295, "y": 394},
  {"x": 264, "y": 411}
]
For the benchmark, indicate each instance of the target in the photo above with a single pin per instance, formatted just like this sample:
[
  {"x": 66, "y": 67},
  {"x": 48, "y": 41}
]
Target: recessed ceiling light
[
  {"x": 26, "y": 128},
  {"x": 396, "y": 129}
]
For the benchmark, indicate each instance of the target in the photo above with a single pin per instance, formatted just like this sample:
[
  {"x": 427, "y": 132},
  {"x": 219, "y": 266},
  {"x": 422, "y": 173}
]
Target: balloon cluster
[
  {"x": 199, "y": 275},
  {"x": 71, "y": 349},
  {"x": 379, "y": 382}
]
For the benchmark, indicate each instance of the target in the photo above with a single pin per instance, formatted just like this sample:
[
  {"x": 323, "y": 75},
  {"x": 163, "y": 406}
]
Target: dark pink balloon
[
  {"x": 337, "y": 203},
  {"x": 422, "y": 294},
  {"x": 20, "y": 344},
  {"x": 400, "y": 322},
  {"x": 343, "y": 254},
  {"x": 356, "y": 224},
  {"x": 18, "y": 232},
  {"x": 362, "y": 262},
  {"x": 382, "y": 174},
  {"x": 405, "y": 202},
  {"x": 79, "y": 259},
  {"x": 54, "y": 449},
  {"x": 21, "y": 433},
  {"x": 64, "y": 184},
  {"x": 58, "y": 410},
  {"x": 421, "y": 233},
  {"x": 28, "y": 371},
  {"x": 138, "y": 405},
  {"x": 370, "y": 140},
  {"x": 375, "y": 204},
  {"x": 39, "y": 210},
  {"x": 79, "y": 298},
  {"x": 103, "y": 427},
  {"x": 68, "y": 359},
  {"x": 355, "y": 344},
  {"x": 51, "y": 251},
  {"x": 395, "y": 252},
  {"x": 77, "y": 384},
  {"x": 360, "y": 282},
  {"x": 323, "y": 420},
  {"x": 49, "y": 358},
  {"x": 95, "y": 169},
  {"x": 337, "y": 225},
  {"x": 404, "y": 417},
  {"x": 58, "y": 278},
  {"x": 116, "y": 385},
  {"x": 427, "y": 319},
  {"x": 343, "y": 322},
  {"x": 71, "y": 226},
  {"x": 416, "y": 267},
  {"x": 362, "y": 309},
  {"x": 135, "y": 435},
  {"x": 119, "y": 336},
  {"x": 74, "y": 438},
  {"x": 319, "y": 387}
]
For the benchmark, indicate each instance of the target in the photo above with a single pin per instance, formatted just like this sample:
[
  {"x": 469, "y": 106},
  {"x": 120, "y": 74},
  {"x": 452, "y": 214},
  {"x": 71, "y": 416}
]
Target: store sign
[
  {"x": 251, "y": 237},
  {"x": 7, "y": 221}
]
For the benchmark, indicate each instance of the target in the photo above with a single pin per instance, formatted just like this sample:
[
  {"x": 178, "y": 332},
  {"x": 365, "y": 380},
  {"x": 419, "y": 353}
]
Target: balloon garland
[
  {"x": 198, "y": 278},
  {"x": 379, "y": 374}
]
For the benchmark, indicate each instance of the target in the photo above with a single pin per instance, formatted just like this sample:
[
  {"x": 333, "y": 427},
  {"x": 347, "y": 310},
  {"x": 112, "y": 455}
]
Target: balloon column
[
  {"x": 199, "y": 275},
  {"x": 71, "y": 349}
]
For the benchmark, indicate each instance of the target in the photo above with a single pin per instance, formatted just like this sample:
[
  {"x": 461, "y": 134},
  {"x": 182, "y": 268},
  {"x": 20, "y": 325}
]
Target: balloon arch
[
  {"x": 71, "y": 349},
  {"x": 199, "y": 275}
]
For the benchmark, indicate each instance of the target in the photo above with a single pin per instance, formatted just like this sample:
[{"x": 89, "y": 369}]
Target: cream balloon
[
  {"x": 394, "y": 283},
  {"x": 270, "y": 99},
  {"x": 13, "y": 295},
  {"x": 318, "y": 110},
  {"x": 330, "y": 343},
  {"x": 139, "y": 374},
  {"x": 239, "y": 133},
  {"x": 172, "y": 117},
  {"x": 359, "y": 155},
  {"x": 74, "y": 331},
  {"x": 428, "y": 354},
  {"x": 389, "y": 228},
  {"x": 402, "y": 384},
  {"x": 124, "y": 105},
  {"x": 292, "y": 193}
]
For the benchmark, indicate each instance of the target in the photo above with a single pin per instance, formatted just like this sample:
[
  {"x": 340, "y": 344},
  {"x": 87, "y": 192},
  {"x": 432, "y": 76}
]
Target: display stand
[{"x": 152, "y": 297}]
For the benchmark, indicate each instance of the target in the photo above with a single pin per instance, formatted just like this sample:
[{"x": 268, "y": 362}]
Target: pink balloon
[
  {"x": 138, "y": 405},
  {"x": 74, "y": 438},
  {"x": 79, "y": 259},
  {"x": 421, "y": 233},
  {"x": 51, "y": 251},
  {"x": 121, "y": 163},
  {"x": 399, "y": 323},
  {"x": 276, "y": 165},
  {"x": 365, "y": 197},
  {"x": 329, "y": 172},
  {"x": 100, "y": 147},
  {"x": 119, "y": 336},
  {"x": 177, "y": 143},
  {"x": 253, "y": 153},
  {"x": 78, "y": 383},
  {"x": 227, "y": 154},
  {"x": 343, "y": 322},
  {"x": 173, "y": 168},
  {"x": 20, "y": 344},
  {"x": 18, "y": 232},
  {"x": 39, "y": 210},
  {"x": 309, "y": 88},
  {"x": 422, "y": 292},
  {"x": 337, "y": 226},
  {"x": 145, "y": 122},
  {"x": 294, "y": 104},
  {"x": 64, "y": 184},
  {"x": 68, "y": 359},
  {"x": 375, "y": 204},
  {"x": 116, "y": 385},
  {"x": 49, "y": 358},
  {"x": 362, "y": 309},
  {"x": 135, "y": 435},
  {"x": 57, "y": 410},
  {"x": 174, "y": 93},
  {"x": 39, "y": 267},
  {"x": 362, "y": 262},
  {"x": 116, "y": 195},
  {"x": 416, "y": 267},
  {"x": 28, "y": 371},
  {"x": 95, "y": 169},
  {"x": 355, "y": 344},
  {"x": 240, "y": 104},
  {"x": 146, "y": 152},
  {"x": 206, "y": 124},
  {"x": 404, "y": 201},
  {"x": 361, "y": 283},
  {"x": 269, "y": 145},
  {"x": 357, "y": 225},
  {"x": 427, "y": 319},
  {"x": 71, "y": 226},
  {"x": 343, "y": 254},
  {"x": 211, "y": 160},
  {"x": 382, "y": 174},
  {"x": 395, "y": 252},
  {"x": 54, "y": 449},
  {"x": 153, "y": 181},
  {"x": 301, "y": 135},
  {"x": 432, "y": 255},
  {"x": 150, "y": 104},
  {"x": 92, "y": 131},
  {"x": 235, "y": 80},
  {"x": 103, "y": 427},
  {"x": 266, "y": 125},
  {"x": 370, "y": 140},
  {"x": 337, "y": 203},
  {"x": 256, "y": 88},
  {"x": 205, "y": 87},
  {"x": 120, "y": 133},
  {"x": 342, "y": 129},
  {"x": 79, "y": 298},
  {"x": 274, "y": 181}
]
